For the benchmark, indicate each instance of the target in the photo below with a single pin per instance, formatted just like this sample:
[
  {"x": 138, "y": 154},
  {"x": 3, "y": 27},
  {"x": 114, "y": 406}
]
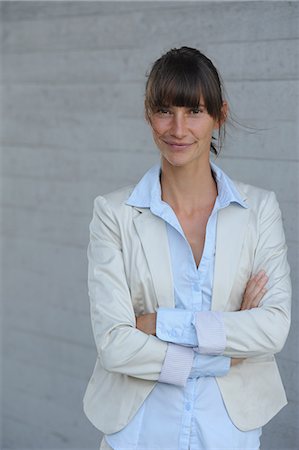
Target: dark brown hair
[{"x": 183, "y": 77}]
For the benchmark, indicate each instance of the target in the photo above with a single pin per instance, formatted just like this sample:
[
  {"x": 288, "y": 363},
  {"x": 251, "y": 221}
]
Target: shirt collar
[{"x": 147, "y": 192}]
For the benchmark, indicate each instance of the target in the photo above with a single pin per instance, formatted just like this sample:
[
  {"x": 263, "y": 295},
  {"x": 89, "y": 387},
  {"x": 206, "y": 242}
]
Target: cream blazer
[{"x": 130, "y": 274}]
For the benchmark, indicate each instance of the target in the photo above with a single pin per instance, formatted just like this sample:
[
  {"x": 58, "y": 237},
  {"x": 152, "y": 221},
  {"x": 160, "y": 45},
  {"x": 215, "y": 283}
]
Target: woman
[{"x": 178, "y": 265}]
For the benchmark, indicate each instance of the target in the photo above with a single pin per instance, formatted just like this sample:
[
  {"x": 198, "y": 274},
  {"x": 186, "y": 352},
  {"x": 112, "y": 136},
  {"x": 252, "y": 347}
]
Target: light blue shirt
[{"x": 190, "y": 417}]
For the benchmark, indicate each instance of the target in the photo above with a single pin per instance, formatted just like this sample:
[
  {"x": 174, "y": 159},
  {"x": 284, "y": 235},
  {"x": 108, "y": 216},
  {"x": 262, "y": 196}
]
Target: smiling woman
[
  {"x": 183, "y": 134},
  {"x": 186, "y": 77},
  {"x": 189, "y": 285}
]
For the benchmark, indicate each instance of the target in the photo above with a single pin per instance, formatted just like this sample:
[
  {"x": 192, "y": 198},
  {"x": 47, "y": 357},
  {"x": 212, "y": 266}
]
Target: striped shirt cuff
[
  {"x": 177, "y": 365},
  {"x": 210, "y": 332}
]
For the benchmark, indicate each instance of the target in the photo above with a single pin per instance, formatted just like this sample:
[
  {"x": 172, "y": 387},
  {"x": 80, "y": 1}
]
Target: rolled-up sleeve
[
  {"x": 176, "y": 326},
  {"x": 204, "y": 330}
]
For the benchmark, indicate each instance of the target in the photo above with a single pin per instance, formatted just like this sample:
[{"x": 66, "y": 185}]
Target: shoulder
[
  {"x": 251, "y": 191},
  {"x": 112, "y": 206},
  {"x": 255, "y": 196},
  {"x": 262, "y": 203},
  {"x": 115, "y": 199}
]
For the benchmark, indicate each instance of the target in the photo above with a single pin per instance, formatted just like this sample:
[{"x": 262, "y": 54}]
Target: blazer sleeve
[
  {"x": 264, "y": 329},
  {"x": 121, "y": 347}
]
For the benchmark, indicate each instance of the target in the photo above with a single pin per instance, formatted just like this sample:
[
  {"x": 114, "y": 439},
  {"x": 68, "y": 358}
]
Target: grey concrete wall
[{"x": 72, "y": 84}]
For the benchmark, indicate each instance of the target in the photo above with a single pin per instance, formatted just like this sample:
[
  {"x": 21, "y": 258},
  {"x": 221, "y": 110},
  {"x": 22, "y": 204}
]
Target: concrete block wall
[{"x": 72, "y": 80}]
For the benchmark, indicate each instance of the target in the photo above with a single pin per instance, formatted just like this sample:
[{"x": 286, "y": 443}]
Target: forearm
[
  {"x": 239, "y": 334},
  {"x": 182, "y": 363},
  {"x": 120, "y": 346},
  {"x": 256, "y": 333},
  {"x": 131, "y": 352},
  {"x": 191, "y": 328}
]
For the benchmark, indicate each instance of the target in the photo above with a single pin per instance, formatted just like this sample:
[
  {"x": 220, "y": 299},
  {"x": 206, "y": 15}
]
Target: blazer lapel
[
  {"x": 153, "y": 235},
  {"x": 231, "y": 227}
]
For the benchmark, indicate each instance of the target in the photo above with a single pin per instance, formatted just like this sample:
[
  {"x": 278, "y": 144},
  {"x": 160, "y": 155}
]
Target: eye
[
  {"x": 196, "y": 111},
  {"x": 163, "y": 111}
]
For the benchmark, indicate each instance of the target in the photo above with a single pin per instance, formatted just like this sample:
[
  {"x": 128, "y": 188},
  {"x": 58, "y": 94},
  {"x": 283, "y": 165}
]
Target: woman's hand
[
  {"x": 235, "y": 361},
  {"x": 255, "y": 290},
  {"x": 147, "y": 323}
]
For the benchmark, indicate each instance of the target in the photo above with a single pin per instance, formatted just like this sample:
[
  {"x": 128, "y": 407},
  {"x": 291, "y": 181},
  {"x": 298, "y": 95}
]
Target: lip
[{"x": 178, "y": 145}]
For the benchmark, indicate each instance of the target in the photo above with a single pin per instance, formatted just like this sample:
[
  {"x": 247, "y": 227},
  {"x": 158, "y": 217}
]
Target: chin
[{"x": 176, "y": 162}]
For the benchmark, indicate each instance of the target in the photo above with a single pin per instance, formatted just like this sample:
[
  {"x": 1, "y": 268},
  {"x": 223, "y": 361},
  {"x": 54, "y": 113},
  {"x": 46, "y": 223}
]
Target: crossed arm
[
  {"x": 254, "y": 292},
  {"x": 250, "y": 332}
]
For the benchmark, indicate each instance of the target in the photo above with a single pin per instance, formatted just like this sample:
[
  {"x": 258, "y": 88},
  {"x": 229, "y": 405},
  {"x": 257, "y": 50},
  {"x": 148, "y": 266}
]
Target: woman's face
[{"x": 183, "y": 135}]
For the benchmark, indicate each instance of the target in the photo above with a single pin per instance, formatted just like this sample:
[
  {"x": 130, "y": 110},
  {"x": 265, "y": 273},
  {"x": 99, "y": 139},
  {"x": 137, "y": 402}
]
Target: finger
[
  {"x": 254, "y": 302},
  {"x": 258, "y": 286},
  {"x": 251, "y": 284},
  {"x": 235, "y": 361},
  {"x": 245, "y": 305},
  {"x": 254, "y": 280},
  {"x": 253, "y": 290},
  {"x": 253, "y": 287}
]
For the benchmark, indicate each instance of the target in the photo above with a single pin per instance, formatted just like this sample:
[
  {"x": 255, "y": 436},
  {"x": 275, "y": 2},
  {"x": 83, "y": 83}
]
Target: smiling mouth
[{"x": 179, "y": 145}]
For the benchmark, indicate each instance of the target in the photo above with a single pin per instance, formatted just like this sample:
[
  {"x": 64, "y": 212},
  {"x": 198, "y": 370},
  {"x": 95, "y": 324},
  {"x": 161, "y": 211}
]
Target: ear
[{"x": 224, "y": 113}]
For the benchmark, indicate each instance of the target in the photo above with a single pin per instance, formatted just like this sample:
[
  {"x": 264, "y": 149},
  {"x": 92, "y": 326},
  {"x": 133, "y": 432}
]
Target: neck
[{"x": 188, "y": 188}]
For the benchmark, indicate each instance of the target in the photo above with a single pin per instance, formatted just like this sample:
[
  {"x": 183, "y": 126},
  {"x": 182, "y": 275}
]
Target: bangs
[
  {"x": 185, "y": 77},
  {"x": 183, "y": 83},
  {"x": 177, "y": 90}
]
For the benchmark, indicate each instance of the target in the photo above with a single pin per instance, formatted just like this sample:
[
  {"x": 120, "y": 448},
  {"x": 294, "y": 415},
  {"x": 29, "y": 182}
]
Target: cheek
[
  {"x": 158, "y": 142},
  {"x": 159, "y": 127},
  {"x": 201, "y": 127},
  {"x": 157, "y": 136}
]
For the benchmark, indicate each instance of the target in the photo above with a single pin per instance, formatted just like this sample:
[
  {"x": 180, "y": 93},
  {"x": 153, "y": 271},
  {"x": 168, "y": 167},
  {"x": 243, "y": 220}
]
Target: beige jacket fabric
[{"x": 130, "y": 274}]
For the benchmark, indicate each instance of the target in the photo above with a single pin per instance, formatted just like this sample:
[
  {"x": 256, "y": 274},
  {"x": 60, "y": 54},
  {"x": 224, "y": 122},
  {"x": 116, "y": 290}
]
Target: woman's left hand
[
  {"x": 255, "y": 290},
  {"x": 147, "y": 323}
]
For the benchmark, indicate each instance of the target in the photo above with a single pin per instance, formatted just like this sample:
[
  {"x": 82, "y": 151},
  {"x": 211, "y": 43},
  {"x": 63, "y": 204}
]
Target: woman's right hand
[{"x": 254, "y": 292}]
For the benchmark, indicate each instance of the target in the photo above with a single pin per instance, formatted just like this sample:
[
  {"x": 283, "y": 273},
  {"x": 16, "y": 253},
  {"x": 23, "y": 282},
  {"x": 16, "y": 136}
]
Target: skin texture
[{"x": 183, "y": 134}]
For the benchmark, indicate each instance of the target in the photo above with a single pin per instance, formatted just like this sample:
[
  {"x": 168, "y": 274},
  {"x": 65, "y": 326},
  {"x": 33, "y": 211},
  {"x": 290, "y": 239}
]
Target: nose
[{"x": 178, "y": 126}]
